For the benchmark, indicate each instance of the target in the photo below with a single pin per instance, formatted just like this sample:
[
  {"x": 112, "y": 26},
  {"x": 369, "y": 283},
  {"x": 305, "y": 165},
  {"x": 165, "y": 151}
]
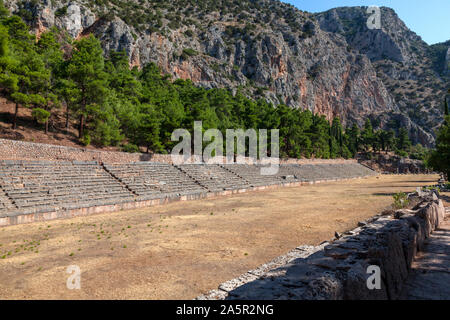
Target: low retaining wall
[
  {"x": 392, "y": 164},
  {"x": 339, "y": 270},
  {"x": 20, "y": 150}
]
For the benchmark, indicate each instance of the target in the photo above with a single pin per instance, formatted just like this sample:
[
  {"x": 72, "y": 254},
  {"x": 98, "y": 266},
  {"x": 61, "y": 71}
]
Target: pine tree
[
  {"x": 120, "y": 78},
  {"x": 367, "y": 135},
  {"x": 50, "y": 51},
  {"x": 403, "y": 142},
  {"x": 337, "y": 141},
  {"x": 439, "y": 159},
  {"x": 23, "y": 71},
  {"x": 319, "y": 134},
  {"x": 353, "y": 139},
  {"x": 86, "y": 70},
  {"x": 32, "y": 81},
  {"x": 4, "y": 13},
  {"x": 390, "y": 140},
  {"x": 446, "y": 107},
  {"x": 9, "y": 80},
  {"x": 149, "y": 128}
]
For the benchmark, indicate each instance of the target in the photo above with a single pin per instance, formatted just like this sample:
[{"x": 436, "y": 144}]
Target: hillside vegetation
[
  {"x": 116, "y": 105},
  {"x": 270, "y": 50}
]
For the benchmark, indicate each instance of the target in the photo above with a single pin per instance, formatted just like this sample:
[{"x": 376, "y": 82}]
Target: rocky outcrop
[
  {"x": 404, "y": 62},
  {"x": 447, "y": 63},
  {"x": 265, "y": 49},
  {"x": 396, "y": 120},
  {"x": 388, "y": 164},
  {"x": 74, "y": 16},
  {"x": 340, "y": 270},
  {"x": 392, "y": 41}
]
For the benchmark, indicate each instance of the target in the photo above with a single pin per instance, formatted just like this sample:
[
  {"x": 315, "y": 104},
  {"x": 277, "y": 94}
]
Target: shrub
[
  {"x": 40, "y": 115},
  {"x": 188, "y": 52},
  {"x": 86, "y": 140},
  {"x": 400, "y": 200},
  {"x": 61, "y": 12},
  {"x": 401, "y": 153},
  {"x": 131, "y": 148}
]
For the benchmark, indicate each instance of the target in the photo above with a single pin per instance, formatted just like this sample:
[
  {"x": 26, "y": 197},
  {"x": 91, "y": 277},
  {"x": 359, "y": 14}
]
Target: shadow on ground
[{"x": 430, "y": 276}]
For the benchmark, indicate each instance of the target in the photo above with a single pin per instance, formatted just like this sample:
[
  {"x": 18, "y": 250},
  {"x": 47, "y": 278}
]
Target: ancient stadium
[
  {"x": 250, "y": 154},
  {"x": 154, "y": 230}
]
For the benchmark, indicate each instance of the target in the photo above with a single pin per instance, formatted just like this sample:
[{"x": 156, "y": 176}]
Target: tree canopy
[{"x": 114, "y": 104}]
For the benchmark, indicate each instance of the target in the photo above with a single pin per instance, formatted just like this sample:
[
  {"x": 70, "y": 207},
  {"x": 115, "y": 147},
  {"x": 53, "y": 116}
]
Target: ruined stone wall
[
  {"x": 393, "y": 164},
  {"x": 338, "y": 270},
  {"x": 20, "y": 150}
]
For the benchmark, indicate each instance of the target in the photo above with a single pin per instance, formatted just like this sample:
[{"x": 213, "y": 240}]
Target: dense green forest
[
  {"x": 439, "y": 159},
  {"x": 132, "y": 108}
]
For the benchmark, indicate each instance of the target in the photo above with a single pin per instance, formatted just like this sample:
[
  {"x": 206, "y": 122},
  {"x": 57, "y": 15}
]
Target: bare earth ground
[
  {"x": 183, "y": 249},
  {"x": 29, "y": 130}
]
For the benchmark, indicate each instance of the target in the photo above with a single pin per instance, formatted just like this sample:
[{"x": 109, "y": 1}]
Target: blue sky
[{"x": 430, "y": 19}]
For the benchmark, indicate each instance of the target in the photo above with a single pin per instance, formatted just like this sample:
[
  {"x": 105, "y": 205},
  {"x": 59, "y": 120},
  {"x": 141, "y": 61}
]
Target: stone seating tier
[
  {"x": 46, "y": 186},
  {"x": 49, "y": 186},
  {"x": 214, "y": 177},
  {"x": 152, "y": 180}
]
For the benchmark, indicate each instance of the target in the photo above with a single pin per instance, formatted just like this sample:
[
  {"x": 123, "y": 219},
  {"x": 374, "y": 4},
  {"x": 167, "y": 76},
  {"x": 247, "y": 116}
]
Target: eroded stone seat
[
  {"x": 47, "y": 186},
  {"x": 214, "y": 177},
  {"x": 252, "y": 174},
  {"x": 151, "y": 180}
]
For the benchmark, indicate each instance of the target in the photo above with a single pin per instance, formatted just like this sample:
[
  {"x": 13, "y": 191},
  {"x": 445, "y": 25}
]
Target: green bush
[
  {"x": 40, "y": 115},
  {"x": 401, "y": 153},
  {"x": 188, "y": 52},
  {"x": 61, "y": 12},
  {"x": 400, "y": 200},
  {"x": 86, "y": 140},
  {"x": 131, "y": 148},
  {"x": 431, "y": 188}
]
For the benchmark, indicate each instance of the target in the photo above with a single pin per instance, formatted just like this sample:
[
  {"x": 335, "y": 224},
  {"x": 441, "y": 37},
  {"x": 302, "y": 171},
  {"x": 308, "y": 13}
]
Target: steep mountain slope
[
  {"x": 440, "y": 55},
  {"x": 414, "y": 73},
  {"x": 266, "y": 48}
]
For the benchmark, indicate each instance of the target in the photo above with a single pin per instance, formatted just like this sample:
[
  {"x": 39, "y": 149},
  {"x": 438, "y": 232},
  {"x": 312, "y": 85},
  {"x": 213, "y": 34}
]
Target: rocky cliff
[
  {"x": 268, "y": 49},
  {"x": 412, "y": 71},
  {"x": 447, "y": 62}
]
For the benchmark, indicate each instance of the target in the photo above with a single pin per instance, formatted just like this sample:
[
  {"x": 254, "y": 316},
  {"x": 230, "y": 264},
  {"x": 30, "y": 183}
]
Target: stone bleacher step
[{"x": 33, "y": 187}]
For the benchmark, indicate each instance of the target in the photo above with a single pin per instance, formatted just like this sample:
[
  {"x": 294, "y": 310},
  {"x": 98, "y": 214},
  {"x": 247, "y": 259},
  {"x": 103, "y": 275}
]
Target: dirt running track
[{"x": 183, "y": 249}]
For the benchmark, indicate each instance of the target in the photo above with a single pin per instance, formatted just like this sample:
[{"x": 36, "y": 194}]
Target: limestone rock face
[
  {"x": 329, "y": 63},
  {"x": 404, "y": 63},
  {"x": 390, "y": 42},
  {"x": 72, "y": 21},
  {"x": 447, "y": 62}
]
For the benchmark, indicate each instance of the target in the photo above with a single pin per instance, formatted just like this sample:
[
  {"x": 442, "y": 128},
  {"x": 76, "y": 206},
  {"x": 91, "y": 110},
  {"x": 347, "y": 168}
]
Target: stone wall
[
  {"x": 393, "y": 164},
  {"x": 337, "y": 270},
  {"x": 20, "y": 150}
]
